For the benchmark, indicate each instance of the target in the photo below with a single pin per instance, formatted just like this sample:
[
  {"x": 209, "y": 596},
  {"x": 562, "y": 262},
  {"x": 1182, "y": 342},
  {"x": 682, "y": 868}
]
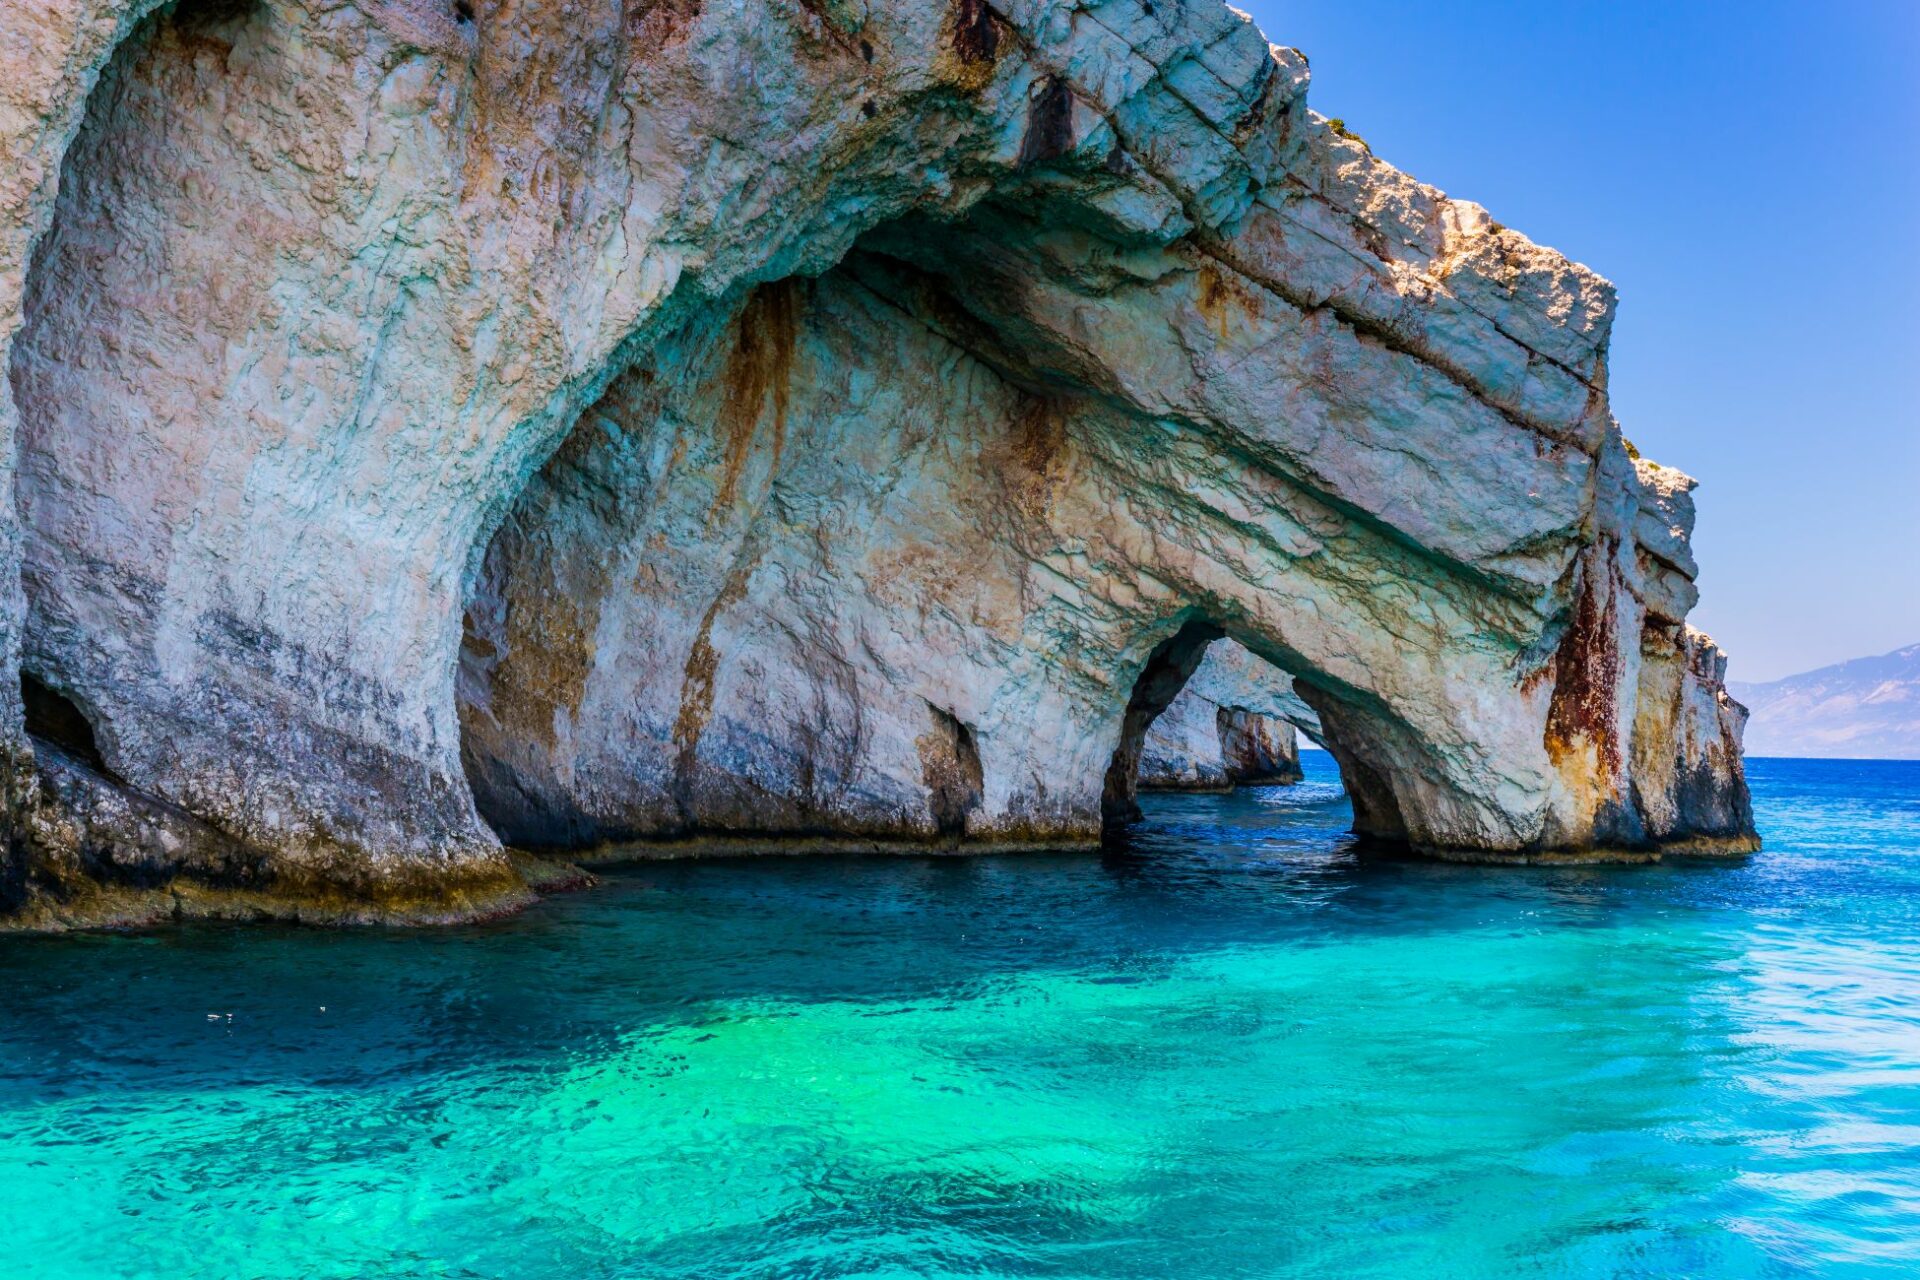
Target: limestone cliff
[
  {"x": 1234, "y": 724},
  {"x": 436, "y": 421}
]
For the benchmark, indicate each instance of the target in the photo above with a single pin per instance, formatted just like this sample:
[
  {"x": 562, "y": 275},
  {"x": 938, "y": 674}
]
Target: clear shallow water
[{"x": 1234, "y": 1050}]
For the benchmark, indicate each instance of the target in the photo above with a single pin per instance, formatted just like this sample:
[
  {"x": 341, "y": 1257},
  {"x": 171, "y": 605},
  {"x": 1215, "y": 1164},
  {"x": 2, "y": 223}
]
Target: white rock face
[
  {"x": 670, "y": 421},
  {"x": 1234, "y": 724}
]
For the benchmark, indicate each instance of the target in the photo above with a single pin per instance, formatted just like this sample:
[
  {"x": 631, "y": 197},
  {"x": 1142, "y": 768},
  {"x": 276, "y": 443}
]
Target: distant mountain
[{"x": 1866, "y": 708}]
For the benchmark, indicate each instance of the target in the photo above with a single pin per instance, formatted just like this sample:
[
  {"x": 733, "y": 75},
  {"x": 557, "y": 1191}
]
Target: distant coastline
[{"x": 1863, "y": 709}]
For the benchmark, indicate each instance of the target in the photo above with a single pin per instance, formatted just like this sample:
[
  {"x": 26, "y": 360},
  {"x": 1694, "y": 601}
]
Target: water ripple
[{"x": 1233, "y": 1045}]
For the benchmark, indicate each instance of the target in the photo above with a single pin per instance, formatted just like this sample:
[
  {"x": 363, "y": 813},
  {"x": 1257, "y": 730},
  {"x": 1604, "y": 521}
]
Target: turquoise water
[{"x": 1233, "y": 1049}]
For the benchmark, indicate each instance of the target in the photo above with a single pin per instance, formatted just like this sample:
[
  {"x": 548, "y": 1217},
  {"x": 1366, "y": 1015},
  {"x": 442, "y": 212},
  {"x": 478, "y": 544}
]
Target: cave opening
[
  {"x": 57, "y": 721},
  {"x": 954, "y": 776},
  {"x": 1237, "y": 723},
  {"x": 817, "y": 565},
  {"x": 1208, "y": 714},
  {"x": 1168, "y": 668}
]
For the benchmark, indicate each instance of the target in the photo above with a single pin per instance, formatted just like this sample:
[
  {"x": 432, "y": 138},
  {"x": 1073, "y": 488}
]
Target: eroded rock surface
[
  {"x": 671, "y": 422},
  {"x": 1235, "y": 724}
]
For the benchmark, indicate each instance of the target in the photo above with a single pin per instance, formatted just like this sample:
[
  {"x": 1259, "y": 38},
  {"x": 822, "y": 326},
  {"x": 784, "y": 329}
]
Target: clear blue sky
[{"x": 1748, "y": 175}]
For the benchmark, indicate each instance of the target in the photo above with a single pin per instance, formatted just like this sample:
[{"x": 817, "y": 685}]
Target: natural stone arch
[
  {"x": 1167, "y": 672},
  {"x": 309, "y": 385},
  {"x": 655, "y": 594},
  {"x": 1236, "y": 723},
  {"x": 1368, "y": 746},
  {"x": 302, "y": 703}
]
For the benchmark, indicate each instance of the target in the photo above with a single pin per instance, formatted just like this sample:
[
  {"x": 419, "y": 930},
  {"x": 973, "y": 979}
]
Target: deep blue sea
[{"x": 1233, "y": 1049}]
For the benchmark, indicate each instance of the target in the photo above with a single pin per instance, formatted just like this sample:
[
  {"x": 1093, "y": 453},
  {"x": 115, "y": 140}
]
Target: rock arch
[
  {"x": 1237, "y": 722},
  {"x": 324, "y": 288}
]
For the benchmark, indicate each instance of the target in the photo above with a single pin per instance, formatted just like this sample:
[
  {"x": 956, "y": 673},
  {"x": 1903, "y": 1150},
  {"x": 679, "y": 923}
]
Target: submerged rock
[
  {"x": 607, "y": 422},
  {"x": 1233, "y": 725}
]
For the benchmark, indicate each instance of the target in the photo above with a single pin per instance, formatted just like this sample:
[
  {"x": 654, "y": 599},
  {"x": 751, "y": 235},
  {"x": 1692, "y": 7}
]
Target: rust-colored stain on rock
[
  {"x": 696, "y": 686},
  {"x": 761, "y": 366},
  {"x": 1587, "y": 673},
  {"x": 975, "y": 39},
  {"x": 1036, "y": 446},
  {"x": 1218, "y": 295},
  {"x": 654, "y": 24}
]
